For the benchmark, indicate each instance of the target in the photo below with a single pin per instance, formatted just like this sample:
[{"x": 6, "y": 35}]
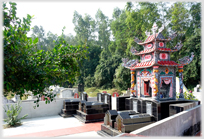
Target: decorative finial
[{"x": 154, "y": 28}]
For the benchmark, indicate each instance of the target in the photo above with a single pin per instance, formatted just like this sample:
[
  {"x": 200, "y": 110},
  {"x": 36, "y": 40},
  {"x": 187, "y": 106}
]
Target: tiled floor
[{"x": 52, "y": 127}]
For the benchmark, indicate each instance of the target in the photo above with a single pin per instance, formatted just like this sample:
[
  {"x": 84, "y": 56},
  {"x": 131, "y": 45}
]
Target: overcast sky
[{"x": 53, "y": 16}]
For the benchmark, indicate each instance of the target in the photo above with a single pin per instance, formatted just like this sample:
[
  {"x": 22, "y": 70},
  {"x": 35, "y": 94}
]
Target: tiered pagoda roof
[{"x": 151, "y": 42}]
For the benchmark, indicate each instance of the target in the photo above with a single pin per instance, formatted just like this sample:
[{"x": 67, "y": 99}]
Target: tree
[
  {"x": 85, "y": 33},
  {"x": 28, "y": 68},
  {"x": 102, "y": 25}
]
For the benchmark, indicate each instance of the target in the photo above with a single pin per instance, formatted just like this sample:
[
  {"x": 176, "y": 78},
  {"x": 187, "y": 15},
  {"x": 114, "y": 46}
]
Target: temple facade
[{"x": 155, "y": 75}]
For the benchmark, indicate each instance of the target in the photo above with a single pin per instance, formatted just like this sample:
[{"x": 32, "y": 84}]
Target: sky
[{"x": 53, "y": 16}]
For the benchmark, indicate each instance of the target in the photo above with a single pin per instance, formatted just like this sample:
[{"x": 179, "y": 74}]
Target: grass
[{"x": 92, "y": 91}]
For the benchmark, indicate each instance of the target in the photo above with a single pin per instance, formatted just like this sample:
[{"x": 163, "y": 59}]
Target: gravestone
[
  {"x": 80, "y": 87},
  {"x": 66, "y": 93}
]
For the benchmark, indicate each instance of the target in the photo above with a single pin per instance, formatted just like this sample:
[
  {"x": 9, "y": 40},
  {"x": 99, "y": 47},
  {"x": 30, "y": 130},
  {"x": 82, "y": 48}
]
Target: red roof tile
[
  {"x": 143, "y": 64},
  {"x": 170, "y": 63},
  {"x": 164, "y": 49},
  {"x": 145, "y": 51}
]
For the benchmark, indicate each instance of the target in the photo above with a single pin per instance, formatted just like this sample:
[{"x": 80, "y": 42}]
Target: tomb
[
  {"x": 70, "y": 106},
  {"x": 94, "y": 111},
  {"x": 176, "y": 108},
  {"x": 117, "y": 122}
]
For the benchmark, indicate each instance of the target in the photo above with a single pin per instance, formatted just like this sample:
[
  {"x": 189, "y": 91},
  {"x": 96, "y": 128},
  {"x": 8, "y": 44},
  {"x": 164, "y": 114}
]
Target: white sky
[{"x": 53, "y": 16}]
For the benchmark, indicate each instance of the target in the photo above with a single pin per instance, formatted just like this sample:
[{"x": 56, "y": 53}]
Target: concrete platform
[{"x": 53, "y": 126}]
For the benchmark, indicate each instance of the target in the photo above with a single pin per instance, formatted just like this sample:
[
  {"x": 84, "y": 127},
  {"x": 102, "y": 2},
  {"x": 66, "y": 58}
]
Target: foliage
[
  {"x": 92, "y": 92},
  {"x": 122, "y": 78},
  {"x": 105, "y": 71},
  {"x": 28, "y": 68},
  {"x": 89, "y": 81},
  {"x": 115, "y": 90},
  {"x": 189, "y": 96},
  {"x": 12, "y": 113},
  {"x": 108, "y": 41}
]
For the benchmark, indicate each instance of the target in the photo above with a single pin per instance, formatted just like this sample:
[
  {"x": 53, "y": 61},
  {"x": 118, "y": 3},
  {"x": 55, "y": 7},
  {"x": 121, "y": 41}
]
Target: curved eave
[
  {"x": 169, "y": 63},
  {"x": 164, "y": 40},
  {"x": 158, "y": 49},
  {"x": 145, "y": 52},
  {"x": 142, "y": 65}
]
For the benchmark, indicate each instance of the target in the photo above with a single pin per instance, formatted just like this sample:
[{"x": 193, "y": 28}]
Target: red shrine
[{"x": 156, "y": 73}]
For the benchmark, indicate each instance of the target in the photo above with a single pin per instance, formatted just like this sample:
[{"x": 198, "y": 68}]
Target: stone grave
[
  {"x": 94, "y": 111},
  {"x": 66, "y": 93},
  {"x": 126, "y": 123},
  {"x": 117, "y": 122},
  {"x": 176, "y": 108},
  {"x": 71, "y": 105}
]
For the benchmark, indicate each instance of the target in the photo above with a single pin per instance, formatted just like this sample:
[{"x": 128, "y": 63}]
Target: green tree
[
  {"x": 28, "y": 68},
  {"x": 85, "y": 33},
  {"x": 102, "y": 25}
]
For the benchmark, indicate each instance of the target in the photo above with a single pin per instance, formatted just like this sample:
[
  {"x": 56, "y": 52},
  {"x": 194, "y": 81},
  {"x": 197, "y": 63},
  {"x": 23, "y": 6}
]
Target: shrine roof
[
  {"x": 152, "y": 63},
  {"x": 149, "y": 39},
  {"x": 145, "y": 51},
  {"x": 142, "y": 65},
  {"x": 157, "y": 36},
  {"x": 176, "y": 48},
  {"x": 168, "y": 63},
  {"x": 167, "y": 49}
]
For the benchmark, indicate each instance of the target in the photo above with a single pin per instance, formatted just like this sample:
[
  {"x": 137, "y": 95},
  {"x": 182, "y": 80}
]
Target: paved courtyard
[{"x": 53, "y": 126}]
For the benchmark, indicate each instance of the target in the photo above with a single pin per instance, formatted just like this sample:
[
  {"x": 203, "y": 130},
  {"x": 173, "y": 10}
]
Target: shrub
[
  {"x": 115, "y": 90},
  {"x": 94, "y": 91},
  {"x": 12, "y": 112}
]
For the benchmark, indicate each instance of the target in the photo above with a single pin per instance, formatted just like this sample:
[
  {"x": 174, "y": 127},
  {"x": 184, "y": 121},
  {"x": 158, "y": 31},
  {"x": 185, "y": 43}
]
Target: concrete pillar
[
  {"x": 155, "y": 82},
  {"x": 180, "y": 70}
]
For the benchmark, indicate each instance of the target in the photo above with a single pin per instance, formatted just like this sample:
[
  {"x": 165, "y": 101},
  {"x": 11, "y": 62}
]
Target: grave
[
  {"x": 176, "y": 108},
  {"x": 70, "y": 106},
  {"x": 94, "y": 111},
  {"x": 66, "y": 93}
]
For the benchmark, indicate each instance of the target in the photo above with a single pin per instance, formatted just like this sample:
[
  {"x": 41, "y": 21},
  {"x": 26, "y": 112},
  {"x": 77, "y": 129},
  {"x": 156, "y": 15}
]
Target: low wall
[
  {"x": 51, "y": 109},
  {"x": 174, "y": 125}
]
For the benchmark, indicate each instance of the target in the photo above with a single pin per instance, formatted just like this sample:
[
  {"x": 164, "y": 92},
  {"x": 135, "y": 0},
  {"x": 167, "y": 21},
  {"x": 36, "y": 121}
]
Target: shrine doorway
[
  {"x": 146, "y": 89},
  {"x": 166, "y": 87}
]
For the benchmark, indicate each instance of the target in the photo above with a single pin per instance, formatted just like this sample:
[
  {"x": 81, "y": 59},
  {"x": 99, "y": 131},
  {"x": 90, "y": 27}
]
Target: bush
[
  {"x": 94, "y": 91},
  {"x": 188, "y": 96},
  {"x": 12, "y": 112},
  {"x": 115, "y": 90},
  {"x": 89, "y": 81},
  {"x": 122, "y": 78}
]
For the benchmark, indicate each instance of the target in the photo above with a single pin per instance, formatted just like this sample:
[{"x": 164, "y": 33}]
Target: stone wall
[
  {"x": 175, "y": 125},
  {"x": 54, "y": 108}
]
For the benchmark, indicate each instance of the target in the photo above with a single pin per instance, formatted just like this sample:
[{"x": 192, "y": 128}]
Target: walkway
[{"x": 53, "y": 126}]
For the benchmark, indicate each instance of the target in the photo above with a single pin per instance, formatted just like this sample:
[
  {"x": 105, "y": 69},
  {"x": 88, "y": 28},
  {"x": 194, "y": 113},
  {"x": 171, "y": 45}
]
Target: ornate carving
[
  {"x": 154, "y": 28},
  {"x": 132, "y": 82},
  {"x": 137, "y": 40},
  {"x": 178, "y": 46},
  {"x": 130, "y": 63},
  {"x": 133, "y": 50},
  {"x": 186, "y": 60},
  {"x": 172, "y": 36}
]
